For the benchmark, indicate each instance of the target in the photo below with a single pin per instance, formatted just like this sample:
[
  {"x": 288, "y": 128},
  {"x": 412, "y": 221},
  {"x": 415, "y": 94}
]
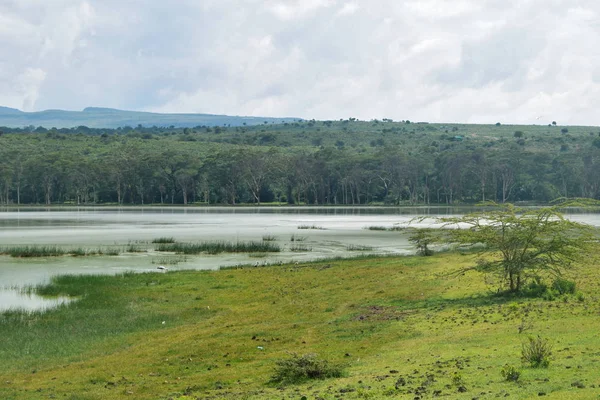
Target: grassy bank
[{"x": 400, "y": 327}]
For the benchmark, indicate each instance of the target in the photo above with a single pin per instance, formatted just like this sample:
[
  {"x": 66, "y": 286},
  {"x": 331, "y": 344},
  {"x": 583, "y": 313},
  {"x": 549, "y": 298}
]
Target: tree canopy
[{"x": 521, "y": 244}]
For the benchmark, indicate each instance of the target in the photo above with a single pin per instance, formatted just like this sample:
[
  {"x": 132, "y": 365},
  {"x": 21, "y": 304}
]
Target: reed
[
  {"x": 296, "y": 238},
  {"x": 268, "y": 238},
  {"x": 217, "y": 247},
  {"x": 34, "y": 251},
  {"x": 310, "y": 227},
  {"x": 164, "y": 240},
  {"x": 300, "y": 248},
  {"x": 358, "y": 247}
]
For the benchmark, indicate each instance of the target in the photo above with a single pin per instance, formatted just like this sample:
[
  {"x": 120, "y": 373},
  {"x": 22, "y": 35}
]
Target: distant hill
[{"x": 95, "y": 117}]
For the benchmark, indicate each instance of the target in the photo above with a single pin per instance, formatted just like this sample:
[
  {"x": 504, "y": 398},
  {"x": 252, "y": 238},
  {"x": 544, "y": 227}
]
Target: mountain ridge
[{"x": 102, "y": 117}]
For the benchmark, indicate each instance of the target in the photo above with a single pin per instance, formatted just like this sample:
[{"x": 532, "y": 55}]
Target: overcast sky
[{"x": 477, "y": 61}]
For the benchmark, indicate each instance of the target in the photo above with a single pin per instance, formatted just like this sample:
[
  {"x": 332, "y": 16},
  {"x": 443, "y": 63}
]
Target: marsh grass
[
  {"x": 257, "y": 255},
  {"x": 164, "y": 240},
  {"x": 174, "y": 260},
  {"x": 300, "y": 248},
  {"x": 394, "y": 228},
  {"x": 218, "y": 247},
  {"x": 310, "y": 227},
  {"x": 134, "y": 248},
  {"x": 268, "y": 238},
  {"x": 296, "y": 238},
  {"x": 358, "y": 247},
  {"x": 55, "y": 251}
]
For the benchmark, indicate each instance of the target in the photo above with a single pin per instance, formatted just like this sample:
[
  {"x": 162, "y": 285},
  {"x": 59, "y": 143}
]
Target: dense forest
[{"x": 346, "y": 162}]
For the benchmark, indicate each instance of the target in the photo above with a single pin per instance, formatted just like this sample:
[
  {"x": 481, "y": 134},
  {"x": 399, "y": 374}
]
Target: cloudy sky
[{"x": 513, "y": 61}]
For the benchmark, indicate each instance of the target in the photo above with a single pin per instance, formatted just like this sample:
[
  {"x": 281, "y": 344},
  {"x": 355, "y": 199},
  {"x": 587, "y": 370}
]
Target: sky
[{"x": 470, "y": 61}]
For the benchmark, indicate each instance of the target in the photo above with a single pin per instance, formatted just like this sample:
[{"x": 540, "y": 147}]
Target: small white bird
[{"x": 162, "y": 268}]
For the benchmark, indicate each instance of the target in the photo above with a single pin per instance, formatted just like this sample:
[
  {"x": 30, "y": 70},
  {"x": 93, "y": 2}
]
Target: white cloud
[
  {"x": 292, "y": 9},
  {"x": 429, "y": 60},
  {"x": 348, "y": 9}
]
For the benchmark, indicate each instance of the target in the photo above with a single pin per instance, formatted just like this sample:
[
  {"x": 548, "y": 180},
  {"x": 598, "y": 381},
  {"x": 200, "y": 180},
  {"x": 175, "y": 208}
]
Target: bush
[
  {"x": 537, "y": 352},
  {"x": 302, "y": 368},
  {"x": 510, "y": 373},
  {"x": 563, "y": 286},
  {"x": 536, "y": 288}
]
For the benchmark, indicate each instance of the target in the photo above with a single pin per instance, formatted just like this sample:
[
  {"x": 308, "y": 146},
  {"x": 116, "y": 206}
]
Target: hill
[{"x": 95, "y": 117}]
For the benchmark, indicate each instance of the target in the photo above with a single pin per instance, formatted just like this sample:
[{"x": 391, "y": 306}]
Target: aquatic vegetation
[
  {"x": 216, "y": 247},
  {"x": 164, "y": 240}
]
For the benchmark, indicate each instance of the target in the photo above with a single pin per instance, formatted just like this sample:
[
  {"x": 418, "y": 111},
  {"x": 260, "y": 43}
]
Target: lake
[{"x": 333, "y": 232}]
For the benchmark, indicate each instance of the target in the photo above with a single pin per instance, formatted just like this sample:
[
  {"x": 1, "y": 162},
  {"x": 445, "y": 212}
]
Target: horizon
[{"x": 294, "y": 117}]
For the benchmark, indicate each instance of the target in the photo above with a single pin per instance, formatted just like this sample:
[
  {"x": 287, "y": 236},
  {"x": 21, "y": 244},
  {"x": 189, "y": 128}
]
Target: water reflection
[{"x": 14, "y": 299}]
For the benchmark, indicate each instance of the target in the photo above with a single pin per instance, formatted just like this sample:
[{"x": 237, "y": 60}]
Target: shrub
[
  {"x": 302, "y": 368},
  {"x": 536, "y": 288},
  {"x": 536, "y": 352},
  {"x": 510, "y": 373},
  {"x": 563, "y": 286}
]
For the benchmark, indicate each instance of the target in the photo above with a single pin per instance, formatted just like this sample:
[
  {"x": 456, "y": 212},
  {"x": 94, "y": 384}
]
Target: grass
[
  {"x": 164, "y": 240},
  {"x": 55, "y": 251},
  {"x": 296, "y": 238},
  {"x": 300, "y": 248},
  {"x": 218, "y": 247},
  {"x": 400, "y": 327},
  {"x": 134, "y": 248},
  {"x": 175, "y": 260},
  {"x": 358, "y": 247},
  {"x": 268, "y": 238},
  {"x": 34, "y": 251},
  {"x": 394, "y": 228},
  {"x": 310, "y": 227}
]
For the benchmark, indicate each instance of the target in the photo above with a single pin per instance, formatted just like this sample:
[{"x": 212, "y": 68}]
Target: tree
[
  {"x": 423, "y": 238},
  {"x": 522, "y": 243}
]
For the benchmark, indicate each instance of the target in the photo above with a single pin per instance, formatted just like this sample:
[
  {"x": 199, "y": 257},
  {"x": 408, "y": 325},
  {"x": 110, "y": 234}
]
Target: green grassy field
[{"x": 401, "y": 327}]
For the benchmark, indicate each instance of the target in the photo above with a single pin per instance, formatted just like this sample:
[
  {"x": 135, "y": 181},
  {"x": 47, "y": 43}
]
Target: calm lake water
[{"x": 340, "y": 229}]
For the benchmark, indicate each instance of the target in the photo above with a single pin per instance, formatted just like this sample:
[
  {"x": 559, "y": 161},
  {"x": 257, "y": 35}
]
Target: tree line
[{"x": 117, "y": 169}]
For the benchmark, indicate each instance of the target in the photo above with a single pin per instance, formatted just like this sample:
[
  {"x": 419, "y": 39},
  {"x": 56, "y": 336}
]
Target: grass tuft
[
  {"x": 300, "y": 248},
  {"x": 536, "y": 352}
]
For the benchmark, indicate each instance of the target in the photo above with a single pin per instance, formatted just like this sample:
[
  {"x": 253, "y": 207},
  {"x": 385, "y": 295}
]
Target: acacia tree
[{"x": 522, "y": 243}]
